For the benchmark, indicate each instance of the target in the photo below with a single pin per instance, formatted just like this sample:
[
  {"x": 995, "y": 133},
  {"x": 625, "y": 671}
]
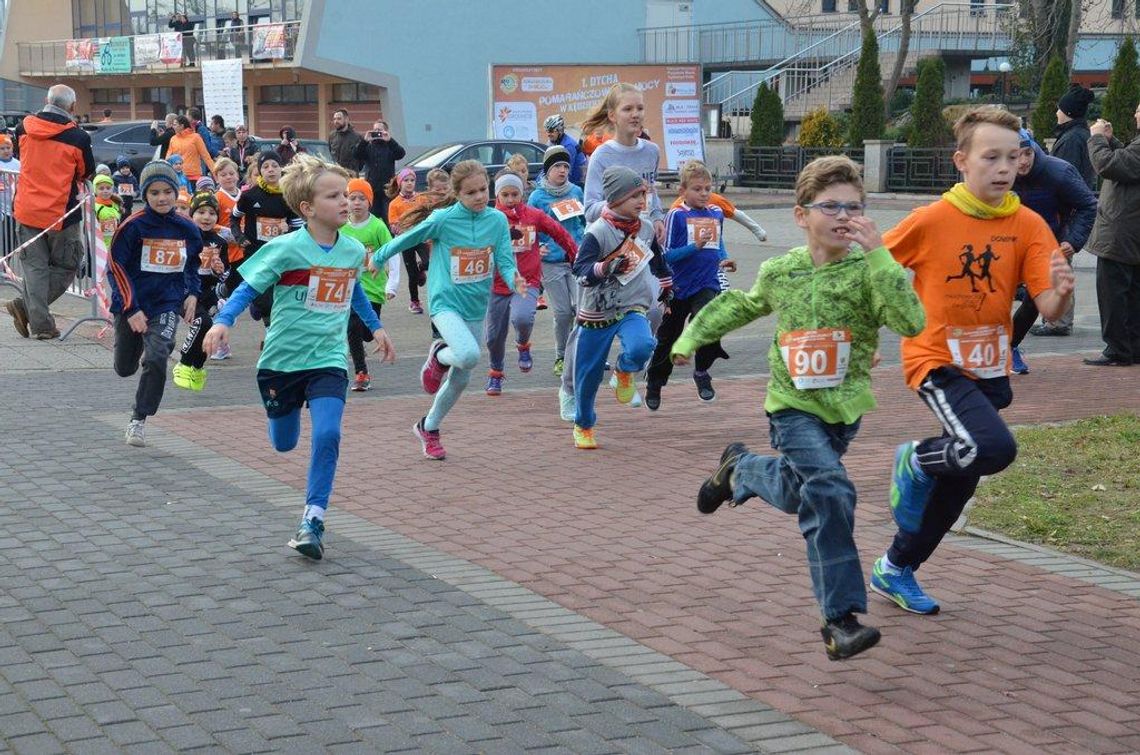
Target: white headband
[{"x": 508, "y": 179}]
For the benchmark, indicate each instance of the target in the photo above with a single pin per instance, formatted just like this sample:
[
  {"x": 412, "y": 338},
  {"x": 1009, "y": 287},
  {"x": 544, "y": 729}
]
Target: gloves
[
  {"x": 666, "y": 294},
  {"x": 516, "y": 234},
  {"x": 610, "y": 268}
]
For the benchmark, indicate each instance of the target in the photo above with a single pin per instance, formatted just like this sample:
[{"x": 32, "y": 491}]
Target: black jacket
[
  {"x": 1055, "y": 191},
  {"x": 1116, "y": 233},
  {"x": 342, "y": 144},
  {"x": 161, "y": 139},
  {"x": 379, "y": 161},
  {"x": 1072, "y": 146}
]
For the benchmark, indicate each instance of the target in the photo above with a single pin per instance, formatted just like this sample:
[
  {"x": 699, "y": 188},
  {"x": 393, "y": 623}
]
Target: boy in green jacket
[{"x": 830, "y": 299}]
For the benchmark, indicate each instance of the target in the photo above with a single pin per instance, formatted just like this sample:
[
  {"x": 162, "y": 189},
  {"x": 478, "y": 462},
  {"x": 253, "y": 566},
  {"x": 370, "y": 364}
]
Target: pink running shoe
[
  {"x": 429, "y": 440},
  {"x": 433, "y": 372},
  {"x": 415, "y": 307}
]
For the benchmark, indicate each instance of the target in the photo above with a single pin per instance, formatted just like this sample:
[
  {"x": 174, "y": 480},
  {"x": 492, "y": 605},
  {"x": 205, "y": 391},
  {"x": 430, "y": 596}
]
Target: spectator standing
[
  {"x": 1115, "y": 242},
  {"x": 55, "y": 159},
  {"x": 233, "y": 32},
  {"x": 195, "y": 116},
  {"x": 182, "y": 24},
  {"x": 9, "y": 168},
  {"x": 106, "y": 115},
  {"x": 1072, "y": 132},
  {"x": 289, "y": 147},
  {"x": 216, "y": 130},
  {"x": 160, "y": 134},
  {"x": 245, "y": 150},
  {"x": 343, "y": 140},
  {"x": 555, "y": 127},
  {"x": 378, "y": 154},
  {"x": 187, "y": 144}
]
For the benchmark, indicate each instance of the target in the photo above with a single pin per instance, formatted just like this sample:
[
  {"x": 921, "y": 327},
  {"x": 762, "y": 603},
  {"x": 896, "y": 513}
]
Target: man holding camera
[{"x": 378, "y": 154}]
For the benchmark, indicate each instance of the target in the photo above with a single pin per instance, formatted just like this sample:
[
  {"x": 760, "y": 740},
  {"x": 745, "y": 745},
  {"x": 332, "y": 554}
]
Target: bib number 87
[{"x": 164, "y": 256}]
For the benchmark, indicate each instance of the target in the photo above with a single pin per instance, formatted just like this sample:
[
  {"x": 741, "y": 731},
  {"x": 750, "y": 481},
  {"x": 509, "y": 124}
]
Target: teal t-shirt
[
  {"x": 468, "y": 249},
  {"x": 373, "y": 234},
  {"x": 312, "y": 299}
]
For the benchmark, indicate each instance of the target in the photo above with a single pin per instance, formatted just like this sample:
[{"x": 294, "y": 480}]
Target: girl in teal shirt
[{"x": 471, "y": 241}]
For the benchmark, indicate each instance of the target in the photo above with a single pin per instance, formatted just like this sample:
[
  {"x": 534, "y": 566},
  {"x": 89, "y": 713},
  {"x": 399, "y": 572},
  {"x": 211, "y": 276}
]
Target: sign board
[
  {"x": 522, "y": 97},
  {"x": 80, "y": 53},
  {"x": 221, "y": 89},
  {"x": 148, "y": 49},
  {"x": 268, "y": 41},
  {"x": 170, "y": 48},
  {"x": 114, "y": 55}
]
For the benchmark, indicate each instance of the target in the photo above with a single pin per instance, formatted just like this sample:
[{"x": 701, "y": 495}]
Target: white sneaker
[
  {"x": 567, "y": 408},
  {"x": 136, "y": 433}
]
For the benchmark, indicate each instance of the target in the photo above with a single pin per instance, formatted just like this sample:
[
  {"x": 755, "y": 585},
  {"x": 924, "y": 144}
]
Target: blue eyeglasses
[{"x": 832, "y": 209}]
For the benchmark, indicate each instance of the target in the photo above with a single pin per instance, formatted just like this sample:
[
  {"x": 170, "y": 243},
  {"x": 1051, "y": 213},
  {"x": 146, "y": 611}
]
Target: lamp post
[{"x": 1004, "y": 67}]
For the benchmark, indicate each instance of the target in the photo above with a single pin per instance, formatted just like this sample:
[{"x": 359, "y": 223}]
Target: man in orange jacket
[{"x": 55, "y": 159}]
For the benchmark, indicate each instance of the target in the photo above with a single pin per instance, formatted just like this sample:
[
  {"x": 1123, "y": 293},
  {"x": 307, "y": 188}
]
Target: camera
[{"x": 374, "y": 134}]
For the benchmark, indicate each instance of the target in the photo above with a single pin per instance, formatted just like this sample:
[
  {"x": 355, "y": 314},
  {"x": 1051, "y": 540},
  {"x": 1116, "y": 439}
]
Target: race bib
[
  {"x": 816, "y": 358},
  {"x": 981, "y": 349},
  {"x": 564, "y": 209},
  {"x": 163, "y": 255},
  {"x": 270, "y": 228},
  {"x": 330, "y": 288},
  {"x": 526, "y": 241},
  {"x": 126, "y": 190},
  {"x": 708, "y": 226},
  {"x": 637, "y": 255},
  {"x": 206, "y": 259},
  {"x": 470, "y": 265},
  {"x": 107, "y": 227}
]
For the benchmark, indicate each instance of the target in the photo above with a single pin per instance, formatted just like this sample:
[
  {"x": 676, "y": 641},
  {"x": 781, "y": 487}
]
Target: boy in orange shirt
[{"x": 968, "y": 252}]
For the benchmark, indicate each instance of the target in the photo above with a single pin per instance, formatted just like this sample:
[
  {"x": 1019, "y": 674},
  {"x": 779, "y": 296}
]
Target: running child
[
  {"x": 182, "y": 203},
  {"x": 190, "y": 372},
  {"x": 126, "y": 185},
  {"x": 379, "y": 284},
  {"x": 108, "y": 207},
  {"x": 260, "y": 215},
  {"x": 620, "y": 269},
  {"x": 470, "y": 242},
  {"x": 695, "y": 252},
  {"x": 517, "y": 309},
  {"x": 154, "y": 277},
  {"x": 401, "y": 190},
  {"x": 731, "y": 212},
  {"x": 183, "y": 180},
  {"x": 227, "y": 175},
  {"x": 563, "y": 201},
  {"x": 969, "y": 251},
  {"x": 830, "y": 301},
  {"x": 312, "y": 276}
]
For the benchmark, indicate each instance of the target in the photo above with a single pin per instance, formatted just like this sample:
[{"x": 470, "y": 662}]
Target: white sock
[
  {"x": 888, "y": 566},
  {"x": 314, "y": 512}
]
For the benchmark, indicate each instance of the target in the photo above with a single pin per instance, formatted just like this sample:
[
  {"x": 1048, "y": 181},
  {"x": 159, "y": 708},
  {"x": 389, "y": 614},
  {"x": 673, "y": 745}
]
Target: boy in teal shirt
[
  {"x": 380, "y": 284},
  {"x": 313, "y": 275},
  {"x": 830, "y": 300}
]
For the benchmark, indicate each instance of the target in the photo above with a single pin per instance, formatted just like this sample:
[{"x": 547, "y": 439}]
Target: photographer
[
  {"x": 181, "y": 23},
  {"x": 378, "y": 154}
]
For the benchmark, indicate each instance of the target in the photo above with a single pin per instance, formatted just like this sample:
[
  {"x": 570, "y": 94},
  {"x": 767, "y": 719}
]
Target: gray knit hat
[
  {"x": 157, "y": 170},
  {"x": 618, "y": 182}
]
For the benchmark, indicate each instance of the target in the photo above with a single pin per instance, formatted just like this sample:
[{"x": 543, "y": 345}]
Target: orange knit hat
[{"x": 359, "y": 184}]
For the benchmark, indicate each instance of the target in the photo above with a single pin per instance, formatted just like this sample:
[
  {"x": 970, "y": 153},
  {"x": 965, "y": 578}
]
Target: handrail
[{"x": 195, "y": 33}]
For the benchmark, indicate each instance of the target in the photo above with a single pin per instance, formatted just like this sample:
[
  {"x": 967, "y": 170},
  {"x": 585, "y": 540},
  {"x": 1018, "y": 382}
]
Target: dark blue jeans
[
  {"x": 808, "y": 479},
  {"x": 974, "y": 442}
]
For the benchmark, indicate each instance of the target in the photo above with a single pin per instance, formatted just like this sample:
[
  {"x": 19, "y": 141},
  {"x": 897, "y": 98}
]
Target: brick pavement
[{"x": 1021, "y": 659}]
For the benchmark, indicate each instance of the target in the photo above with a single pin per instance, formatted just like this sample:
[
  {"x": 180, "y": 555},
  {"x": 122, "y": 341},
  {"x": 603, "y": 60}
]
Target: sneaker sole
[
  {"x": 308, "y": 550},
  {"x": 136, "y": 442},
  {"x": 899, "y": 601}
]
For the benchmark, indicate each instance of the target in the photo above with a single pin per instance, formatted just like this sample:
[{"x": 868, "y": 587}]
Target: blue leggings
[
  {"x": 461, "y": 354},
  {"x": 325, "y": 414},
  {"x": 637, "y": 344}
]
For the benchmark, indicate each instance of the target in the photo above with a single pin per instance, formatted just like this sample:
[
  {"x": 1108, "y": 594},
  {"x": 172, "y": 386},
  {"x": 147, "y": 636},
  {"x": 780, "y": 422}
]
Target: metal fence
[
  {"x": 778, "y": 167},
  {"x": 921, "y": 170},
  {"x": 87, "y": 284}
]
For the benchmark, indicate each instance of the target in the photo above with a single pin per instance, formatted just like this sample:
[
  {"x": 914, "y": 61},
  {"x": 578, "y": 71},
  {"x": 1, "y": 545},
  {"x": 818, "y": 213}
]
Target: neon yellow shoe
[
  {"x": 584, "y": 438},
  {"x": 197, "y": 378},
  {"x": 184, "y": 376},
  {"x": 625, "y": 389}
]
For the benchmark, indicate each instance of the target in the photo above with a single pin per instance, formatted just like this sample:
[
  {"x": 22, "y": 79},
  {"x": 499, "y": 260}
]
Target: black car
[
  {"x": 493, "y": 153},
  {"x": 130, "y": 138}
]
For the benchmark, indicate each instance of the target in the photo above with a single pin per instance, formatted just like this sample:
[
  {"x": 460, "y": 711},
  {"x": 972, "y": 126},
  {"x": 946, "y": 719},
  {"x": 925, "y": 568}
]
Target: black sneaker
[
  {"x": 705, "y": 390},
  {"x": 1044, "y": 329},
  {"x": 718, "y": 488},
  {"x": 307, "y": 541},
  {"x": 652, "y": 396},
  {"x": 845, "y": 637}
]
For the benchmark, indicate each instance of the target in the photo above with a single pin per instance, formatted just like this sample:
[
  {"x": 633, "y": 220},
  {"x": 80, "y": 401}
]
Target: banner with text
[
  {"x": 80, "y": 53},
  {"x": 522, "y": 97},
  {"x": 114, "y": 55},
  {"x": 268, "y": 41},
  {"x": 221, "y": 89}
]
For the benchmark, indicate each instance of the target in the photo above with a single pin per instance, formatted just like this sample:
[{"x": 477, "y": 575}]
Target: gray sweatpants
[
  {"x": 503, "y": 312},
  {"x": 153, "y": 349},
  {"x": 48, "y": 266},
  {"x": 561, "y": 288}
]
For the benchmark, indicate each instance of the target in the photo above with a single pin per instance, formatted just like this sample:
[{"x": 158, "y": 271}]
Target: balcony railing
[{"x": 257, "y": 45}]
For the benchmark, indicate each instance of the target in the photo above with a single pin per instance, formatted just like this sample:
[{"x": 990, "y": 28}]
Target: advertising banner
[
  {"x": 148, "y": 49},
  {"x": 522, "y": 97},
  {"x": 114, "y": 55},
  {"x": 268, "y": 41},
  {"x": 170, "y": 48},
  {"x": 80, "y": 53},
  {"x": 221, "y": 89}
]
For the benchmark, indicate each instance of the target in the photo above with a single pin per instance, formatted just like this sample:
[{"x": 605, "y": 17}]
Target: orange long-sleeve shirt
[{"x": 190, "y": 147}]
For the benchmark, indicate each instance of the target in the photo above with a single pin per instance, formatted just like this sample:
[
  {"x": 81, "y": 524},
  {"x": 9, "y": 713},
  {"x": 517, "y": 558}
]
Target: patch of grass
[{"x": 1074, "y": 487}]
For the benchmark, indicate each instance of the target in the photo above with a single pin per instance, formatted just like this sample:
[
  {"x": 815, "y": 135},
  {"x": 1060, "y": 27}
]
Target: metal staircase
[{"x": 822, "y": 74}]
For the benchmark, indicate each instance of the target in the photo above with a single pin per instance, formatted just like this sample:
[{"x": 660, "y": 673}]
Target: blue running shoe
[
  {"x": 1019, "y": 365},
  {"x": 307, "y": 541},
  {"x": 900, "y": 586},
  {"x": 910, "y": 490}
]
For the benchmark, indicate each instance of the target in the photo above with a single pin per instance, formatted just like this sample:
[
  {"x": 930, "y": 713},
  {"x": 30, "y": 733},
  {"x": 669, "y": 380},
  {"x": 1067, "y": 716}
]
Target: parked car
[
  {"x": 493, "y": 153},
  {"x": 130, "y": 138}
]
